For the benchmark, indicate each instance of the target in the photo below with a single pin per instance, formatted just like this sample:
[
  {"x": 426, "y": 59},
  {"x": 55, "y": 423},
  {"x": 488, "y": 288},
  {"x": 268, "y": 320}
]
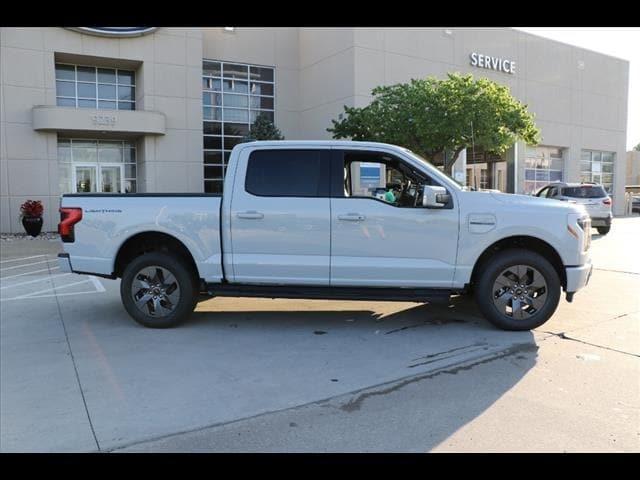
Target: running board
[{"x": 431, "y": 295}]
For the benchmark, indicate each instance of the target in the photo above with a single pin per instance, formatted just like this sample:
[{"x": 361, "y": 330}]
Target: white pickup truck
[{"x": 330, "y": 220}]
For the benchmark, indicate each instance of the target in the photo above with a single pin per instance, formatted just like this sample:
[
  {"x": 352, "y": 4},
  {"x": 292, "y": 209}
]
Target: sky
[{"x": 621, "y": 42}]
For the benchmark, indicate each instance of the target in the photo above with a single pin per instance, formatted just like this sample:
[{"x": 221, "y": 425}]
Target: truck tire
[
  {"x": 158, "y": 290},
  {"x": 603, "y": 230},
  {"x": 517, "y": 289}
]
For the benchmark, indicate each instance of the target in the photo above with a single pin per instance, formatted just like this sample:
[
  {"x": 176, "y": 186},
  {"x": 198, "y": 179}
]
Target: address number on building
[{"x": 104, "y": 120}]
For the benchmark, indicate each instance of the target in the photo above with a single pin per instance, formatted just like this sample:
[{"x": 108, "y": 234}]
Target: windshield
[
  {"x": 585, "y": 191},
  {"x": 427, "y": 162}
]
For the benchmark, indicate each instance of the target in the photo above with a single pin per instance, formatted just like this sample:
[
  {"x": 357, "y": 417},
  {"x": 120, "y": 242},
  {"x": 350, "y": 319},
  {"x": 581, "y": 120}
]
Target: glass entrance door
[
  {"x": 85, "y": 179},
  {"x": 98, "y": 179},
  {"x": 111, "y": 178}
]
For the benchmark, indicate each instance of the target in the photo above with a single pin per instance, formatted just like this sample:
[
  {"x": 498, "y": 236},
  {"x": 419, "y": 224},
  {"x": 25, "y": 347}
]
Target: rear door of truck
[{"x": 280, "y": 216}]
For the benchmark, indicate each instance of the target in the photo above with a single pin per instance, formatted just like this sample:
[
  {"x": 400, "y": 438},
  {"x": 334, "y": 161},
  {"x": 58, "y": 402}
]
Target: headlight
[{"x": 579, "y": 227}]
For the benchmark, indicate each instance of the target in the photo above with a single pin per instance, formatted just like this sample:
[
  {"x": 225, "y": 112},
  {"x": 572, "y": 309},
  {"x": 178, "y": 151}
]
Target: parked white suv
[{"x": 592, "y": 195}]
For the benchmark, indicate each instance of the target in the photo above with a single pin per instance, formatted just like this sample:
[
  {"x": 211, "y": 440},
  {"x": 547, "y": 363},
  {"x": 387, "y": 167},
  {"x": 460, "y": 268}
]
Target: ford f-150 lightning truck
[{"x": 313, "y": 219}]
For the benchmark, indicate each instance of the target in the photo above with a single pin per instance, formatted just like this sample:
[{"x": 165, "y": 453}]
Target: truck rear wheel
[
  {"x": 158, "y": 290},
  {"x": 518, "y": 290},
  {"x": 603, "y": 230}
]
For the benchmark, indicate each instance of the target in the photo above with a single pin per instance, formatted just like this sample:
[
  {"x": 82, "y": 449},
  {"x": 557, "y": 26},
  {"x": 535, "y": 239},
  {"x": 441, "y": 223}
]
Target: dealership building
[{"x": 159, "y": 109}]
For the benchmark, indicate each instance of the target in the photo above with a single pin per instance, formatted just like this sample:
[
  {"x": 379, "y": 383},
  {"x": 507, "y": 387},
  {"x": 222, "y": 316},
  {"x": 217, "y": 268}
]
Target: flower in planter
[{"x": 31, "y": 208}]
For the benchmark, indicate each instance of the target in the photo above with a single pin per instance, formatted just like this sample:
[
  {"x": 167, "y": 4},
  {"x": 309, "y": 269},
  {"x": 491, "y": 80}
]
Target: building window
[
  {"x": 542, "y": 165},
  {"x": 233, "y": 95},
  {"x": 597, "y": 167},
  {"x": 95, "y": 166},
  {"x": 93, "y": 87}
]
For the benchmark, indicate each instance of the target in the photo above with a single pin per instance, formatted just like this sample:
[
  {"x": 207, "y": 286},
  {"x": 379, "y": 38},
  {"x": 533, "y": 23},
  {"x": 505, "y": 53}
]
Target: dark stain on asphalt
[
  {"x": 319, "y": 332},
  {"x": 468, "y": 349},
  {"x": 293, "y": 424},
  {"x": 356, "y": 403},
  {"x": 435, "y": 321},
  {"x": 432, "y": 355},
  {"x": 334, "y": 379}
]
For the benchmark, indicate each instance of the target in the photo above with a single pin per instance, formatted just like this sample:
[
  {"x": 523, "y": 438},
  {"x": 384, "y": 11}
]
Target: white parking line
[
  {"x": 48, "y": 296},
  {"x": 29, "y": 273},
  {"x": 23, "y": 258},
  {"x": 34, "y": 281},
  {"x": 27, "y": 265},
  {"x": 50, "y": 289},
  {"x": 96, "y": 283}
]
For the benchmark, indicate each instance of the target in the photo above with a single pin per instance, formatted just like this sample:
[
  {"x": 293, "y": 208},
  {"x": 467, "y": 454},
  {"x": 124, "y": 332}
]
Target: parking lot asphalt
[{"x": 77, "y": 374}]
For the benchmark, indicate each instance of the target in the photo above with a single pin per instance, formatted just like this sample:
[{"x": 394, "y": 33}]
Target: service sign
[
  {"x": 492, "y": 63},
  {"x": 115, "y": 31}
]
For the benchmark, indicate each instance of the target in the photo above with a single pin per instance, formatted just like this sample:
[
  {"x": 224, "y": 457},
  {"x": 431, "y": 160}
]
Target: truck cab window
[
  {"x": 288, "y": 173},
  {"x": 383, "y": 177}
]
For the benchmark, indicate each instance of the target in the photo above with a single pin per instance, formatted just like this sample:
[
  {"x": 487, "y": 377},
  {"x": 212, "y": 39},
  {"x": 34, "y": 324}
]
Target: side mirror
[{"x": 435, "y": 197}]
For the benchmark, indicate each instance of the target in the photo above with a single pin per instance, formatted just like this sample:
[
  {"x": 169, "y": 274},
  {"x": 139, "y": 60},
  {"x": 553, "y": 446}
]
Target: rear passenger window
[{"x": 288, "y": 173}]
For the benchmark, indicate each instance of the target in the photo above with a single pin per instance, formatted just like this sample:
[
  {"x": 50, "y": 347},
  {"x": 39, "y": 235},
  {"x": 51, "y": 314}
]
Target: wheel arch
[
  {"x": 152, "y": 241},
  {"x": 526, "y": 242}
]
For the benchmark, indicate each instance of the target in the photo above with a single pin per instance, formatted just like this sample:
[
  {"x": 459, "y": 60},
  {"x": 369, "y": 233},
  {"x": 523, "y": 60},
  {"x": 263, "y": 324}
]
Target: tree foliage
[
  {"x": 430, "y": 116},
  {"x": 263, "y": 129},
  {"x": 637, "y": 147}
]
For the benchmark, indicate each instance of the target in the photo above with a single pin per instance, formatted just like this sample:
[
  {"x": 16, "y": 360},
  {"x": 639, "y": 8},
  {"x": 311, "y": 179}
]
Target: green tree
[
  {"x": 432, "y": 116},
  {"x": 637, "y": 147},
  {"x": 263, "y": 129}
]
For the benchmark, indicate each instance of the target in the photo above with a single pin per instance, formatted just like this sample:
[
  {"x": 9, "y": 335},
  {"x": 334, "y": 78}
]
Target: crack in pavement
[
  {"x": 616, "y": 271},
  {"x": 564, "y": 336}
]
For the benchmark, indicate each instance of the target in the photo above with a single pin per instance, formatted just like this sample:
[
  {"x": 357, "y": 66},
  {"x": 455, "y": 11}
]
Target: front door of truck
[
  {"x": 280, "y": 221},
  {"x": 381, "y": 235}
]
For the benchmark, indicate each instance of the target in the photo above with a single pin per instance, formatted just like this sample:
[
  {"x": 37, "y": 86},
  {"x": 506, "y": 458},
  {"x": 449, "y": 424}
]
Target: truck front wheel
[
  {"x": 517, "y": 289},
  {"x": 158, "y": 290}
]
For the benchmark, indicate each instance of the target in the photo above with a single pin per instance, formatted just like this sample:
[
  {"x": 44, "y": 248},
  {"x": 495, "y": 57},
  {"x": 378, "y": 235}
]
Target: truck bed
[{"x": 109, "y": 220}]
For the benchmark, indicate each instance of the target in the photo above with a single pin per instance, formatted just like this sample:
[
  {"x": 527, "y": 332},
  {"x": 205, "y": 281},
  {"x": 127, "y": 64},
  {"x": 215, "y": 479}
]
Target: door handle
[
  {"x": 251, "y": 215},
  {"x": 352, "y": 217}
]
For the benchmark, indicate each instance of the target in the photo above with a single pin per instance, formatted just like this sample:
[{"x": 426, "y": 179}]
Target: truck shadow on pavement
[{"x": 456, "y": 366}]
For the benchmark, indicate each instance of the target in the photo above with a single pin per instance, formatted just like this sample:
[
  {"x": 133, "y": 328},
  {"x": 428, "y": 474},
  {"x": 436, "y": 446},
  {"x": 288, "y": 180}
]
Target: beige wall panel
[
  {"x": 28, "y": 177},
  {"x": 599, "y": 111},
  {"x": 138, "y": 48},
  {"x": 548, "y": 102},
  {"x": 170, "y": 49},
  {"x": 314, "y": 122},
  {"x": 319, "y": 43},
  {"x": 287, "y": 89},
  {"x": 4, "y": 177},
  {"x": 31, "y": 71},
  {"x": 372, "y": 38},
  {"x": 6, "y": 218},
  {"x": 23, "y": 143},
  {"x": 287, "y": 49},
  {"x": 369, "y": 70},
  {"x": 18, "y": 102},
  {"x": 426, "y": 43},
  {"x": 172, "y": 147},
  {"x": 170, "y": 80},
  {"x": 548, "y": 61},
  {"x": 100, "y": 46},
  {"x": 327, "y": 80},
  {"x": 289, "y": 124},
  {"x": 23, "y": 37}
]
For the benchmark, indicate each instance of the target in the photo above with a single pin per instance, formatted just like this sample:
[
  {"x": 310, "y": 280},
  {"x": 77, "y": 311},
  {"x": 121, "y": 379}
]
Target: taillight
[
  {"x": 607, "y": 201},
  {"x": 68, "y": 218}
]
